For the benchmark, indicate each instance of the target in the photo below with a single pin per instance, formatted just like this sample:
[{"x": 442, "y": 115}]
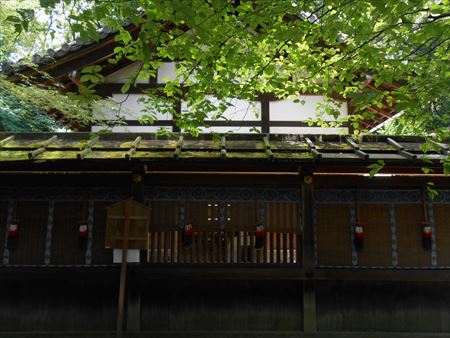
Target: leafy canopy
[{"x": 243, "y": 48}]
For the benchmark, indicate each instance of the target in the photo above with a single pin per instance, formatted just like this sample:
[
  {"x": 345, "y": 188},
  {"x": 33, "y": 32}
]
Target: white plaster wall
[
  {"x": 242, "y": 110},
  {"x": 130, "y": 108},
  {"x": 288, "y": 110},
  {"x": 130, "y": 129},
  {"x": 166, "y": 71},
  {"x": 242, "y": 130},
  {"x": 308, "y": 130},
  {"x": 125, "y": 74}
]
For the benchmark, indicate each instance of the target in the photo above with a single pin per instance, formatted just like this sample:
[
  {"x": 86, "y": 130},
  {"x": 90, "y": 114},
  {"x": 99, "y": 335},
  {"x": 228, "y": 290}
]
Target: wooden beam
[
  {"x": 178, "y": 147},
  {"x": 88, "y": 148},
  {"x": 34, "y": 153},
  {"x": 401, "y": 149},
  {"x": 133, "y": 147},
  {"x": 265, "y": 115},
  {"x": 223, "y": 146},
  {"x": 6, "y": 140},
  {"x": 309, "y": 295},
  {"x": 123, "y": 271},
  {"x": 356, "y": 149},
  {"x": 312, "y": 148}
]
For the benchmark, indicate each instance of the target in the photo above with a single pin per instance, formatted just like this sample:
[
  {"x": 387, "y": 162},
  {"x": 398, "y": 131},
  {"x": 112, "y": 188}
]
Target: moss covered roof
[{"x": 254, "y": 147}]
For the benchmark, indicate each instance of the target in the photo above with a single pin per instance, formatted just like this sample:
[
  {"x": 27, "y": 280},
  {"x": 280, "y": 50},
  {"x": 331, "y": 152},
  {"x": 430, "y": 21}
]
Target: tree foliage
[
  {"x": 19, "y": 117},
  {"x": 243, "y": 48},
  {"x": 25, "y": 99}
]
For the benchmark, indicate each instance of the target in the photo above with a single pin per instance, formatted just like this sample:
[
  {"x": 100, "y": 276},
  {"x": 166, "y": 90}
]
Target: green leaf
[
  {"x": 375, "y": 168},
  {"x": 125, "y": 88}
]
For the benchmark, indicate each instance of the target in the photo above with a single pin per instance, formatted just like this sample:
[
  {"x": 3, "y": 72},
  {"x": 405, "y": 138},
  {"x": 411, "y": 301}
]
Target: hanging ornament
[
  {"x": 186, "y": 235},
  {"x": 13, "y": 234},
  {"x": 427, "y": 232},
  {"x": 358, "y": 238},
  {"x": 260, "y": 236},
  {"x": 82, "y": 236},
  {"x": 426, "y": 235}
]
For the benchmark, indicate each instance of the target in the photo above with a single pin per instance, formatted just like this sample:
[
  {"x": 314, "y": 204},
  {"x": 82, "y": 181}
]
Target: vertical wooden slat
[
  {"x": 226, "y": 241},
  {"x": 288, "y": 248},
  {"x": 172, "y": 246},
  {"x": 175, "y": 245},
  {"x": 295, "y": 248},
  {"x": 166, "y": 246},
  {"x": 152, "y": 247},
  {"x": 200, "y": 247},
  {"x": 155, "y": 246},
  {"x": 180, "y": 248},
  {"x": 276, "y": 246},
  {"x": 149, "y": 248},
  {"x": 209, "y": 245},
  {"x": 233, "y": 247},
  {"x": 245, "y": 247},
  {"x": 213, "y": 247},
  {"x": 285, "y": 248},
  {"x": 160, "y": 247},
  {"x": 260, "y": 254},
  {"x": 218, "y": 245},
  {"x": 253, "y": 250},
  {"x": 186, "y": 254},
  {"x": 240, "y": 242}
]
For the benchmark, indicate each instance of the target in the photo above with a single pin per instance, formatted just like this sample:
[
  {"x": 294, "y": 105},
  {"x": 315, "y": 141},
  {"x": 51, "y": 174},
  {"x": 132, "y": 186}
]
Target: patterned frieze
[
  {"x": 377, "y": 196},
  {"x": 196, "y": 193},
  {"x": 65, "y": 194}
]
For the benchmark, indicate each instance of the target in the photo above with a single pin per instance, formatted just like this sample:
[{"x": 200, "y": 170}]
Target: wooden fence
[{"x": 223, "y": 247}]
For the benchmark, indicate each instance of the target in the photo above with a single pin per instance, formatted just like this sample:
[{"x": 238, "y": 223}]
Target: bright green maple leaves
[{"x": 245, "y": 48}]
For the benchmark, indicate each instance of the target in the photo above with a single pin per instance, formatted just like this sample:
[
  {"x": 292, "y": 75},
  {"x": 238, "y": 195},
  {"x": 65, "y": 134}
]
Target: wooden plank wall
[
  {"x": 377, "y": 240},
  {"x": 408, "y": 218},
  {"x": 100, "y": 255},
  {"x": 334, "y": 245},
  {"x": 333, "y": 234},
  {"x": 32, "y": 219},
  {"x": 57, "y": 305},
  {"x": 442, "y": 226},
  {"x": 164, "y": 216},
  {"x": 67, "y": 218},
  {"x": 383, "y": 306},
  {"x": 3, "y": 216},
  {"x": 221, "y": 305}
]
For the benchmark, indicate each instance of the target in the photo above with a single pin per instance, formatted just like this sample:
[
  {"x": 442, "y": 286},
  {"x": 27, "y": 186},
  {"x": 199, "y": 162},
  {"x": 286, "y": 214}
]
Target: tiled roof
[
  {"x": 53, "y": 55},
  {"x": 23, "y": 147}
]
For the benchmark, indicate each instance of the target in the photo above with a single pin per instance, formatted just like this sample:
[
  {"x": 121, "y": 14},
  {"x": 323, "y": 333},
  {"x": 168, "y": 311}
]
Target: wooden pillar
[
  {"x": 48, "y": 236},
  {"x": 123, "y": 271},
  {"x": 265, "y": 114},
  {"x": 309, "y": 294}
]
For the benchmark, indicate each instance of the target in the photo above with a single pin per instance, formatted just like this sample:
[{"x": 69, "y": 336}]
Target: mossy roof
[{"x": 254, "y": 147}]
